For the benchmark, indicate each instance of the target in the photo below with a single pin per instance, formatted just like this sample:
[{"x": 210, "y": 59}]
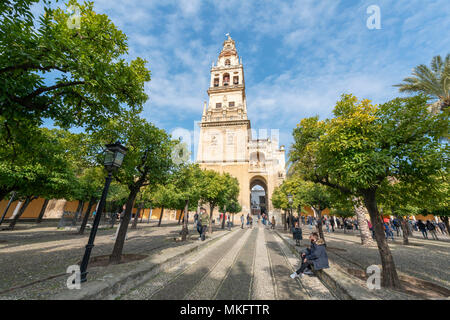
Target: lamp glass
[
  {"x": 118, "y": 159},
  {"x": 109, "y": 158}
]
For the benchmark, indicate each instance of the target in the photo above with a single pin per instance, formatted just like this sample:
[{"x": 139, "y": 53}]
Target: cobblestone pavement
[
  {"x": 249, "y": 264},
  {"x": 425, "y": 259},
  {"x": 41, "y": 254}
]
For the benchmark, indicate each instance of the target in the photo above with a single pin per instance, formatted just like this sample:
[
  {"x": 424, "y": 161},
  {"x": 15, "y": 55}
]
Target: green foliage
[
  {"x": 148, "y": 159},
  {"x": 34, "y": 163},
  {"x": 73, "y": 76},
  {"x": 218, "y": 189},
  {"x": 364, "y": 144},
  {"x": 434, "y": 82}
]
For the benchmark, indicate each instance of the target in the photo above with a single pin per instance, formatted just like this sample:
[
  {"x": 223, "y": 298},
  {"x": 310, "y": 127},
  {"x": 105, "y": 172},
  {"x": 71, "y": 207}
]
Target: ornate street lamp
[
  {"x": 114, "y": 154},
  {"x": 290, "y": 201}
]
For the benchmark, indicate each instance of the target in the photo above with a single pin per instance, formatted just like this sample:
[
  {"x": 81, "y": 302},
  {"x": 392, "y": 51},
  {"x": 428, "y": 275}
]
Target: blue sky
[{"x": 299, "y": 56}]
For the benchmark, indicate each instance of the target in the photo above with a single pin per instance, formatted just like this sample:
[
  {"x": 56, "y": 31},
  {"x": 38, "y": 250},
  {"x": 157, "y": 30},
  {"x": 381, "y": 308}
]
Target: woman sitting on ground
[{"x": 315, "y": 256}]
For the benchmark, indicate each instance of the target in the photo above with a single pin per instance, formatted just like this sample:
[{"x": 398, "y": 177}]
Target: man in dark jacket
[
  {"x": 431, "y": 227},
  {"x": 315, "y": 256},
  {"x": 297, "y": 233},
  {"x": 423, "y": 228}
]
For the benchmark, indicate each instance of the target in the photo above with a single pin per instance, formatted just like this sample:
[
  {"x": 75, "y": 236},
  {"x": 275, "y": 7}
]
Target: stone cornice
[
  {"x": 222, "y": 89},
  {"x": 227, "y": 123}
]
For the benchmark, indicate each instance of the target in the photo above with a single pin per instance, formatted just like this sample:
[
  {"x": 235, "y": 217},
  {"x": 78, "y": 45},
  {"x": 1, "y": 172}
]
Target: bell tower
[
  {"x": 227, "y": 87},
  {"x": 225, "y": 139}
]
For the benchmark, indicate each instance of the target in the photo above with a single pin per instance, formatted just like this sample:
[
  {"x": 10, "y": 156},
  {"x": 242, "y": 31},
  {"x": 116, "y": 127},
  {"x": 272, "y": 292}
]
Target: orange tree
[{"x": 362, "y": 145}]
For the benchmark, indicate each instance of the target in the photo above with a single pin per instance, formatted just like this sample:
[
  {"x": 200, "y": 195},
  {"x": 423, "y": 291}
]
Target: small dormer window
[
  {"x": 231, "y": 104},
  {"x": 218, "y": 105},
  {"x": 227, "y": 62}
]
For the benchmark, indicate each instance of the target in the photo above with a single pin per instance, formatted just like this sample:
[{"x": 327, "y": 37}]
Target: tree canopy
[{"x": 75, "y": 76}]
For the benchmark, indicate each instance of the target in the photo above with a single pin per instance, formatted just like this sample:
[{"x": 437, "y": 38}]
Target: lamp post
[
  {"x": 290, "y": 200},
  {"x": 114, "y": 155}
]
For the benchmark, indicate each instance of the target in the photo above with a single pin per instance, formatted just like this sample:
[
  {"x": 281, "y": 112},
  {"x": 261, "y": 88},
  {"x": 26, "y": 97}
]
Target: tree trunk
[
  {"x": 389, "y": 273},
  {"x": 77, "y": 212},
  {"x": 116, "y": 254},
  {"x": 318, "y": 214},
  {"x": 344, "y": 225},
  {"x": 300, "y": 223},
  {"x": 160, "y": 216},
  {"x": 283, "y": 217},
  {"x": 184, "y": 230},
  {"x": 405, "y": 230},
  {"x": 366, "y": 234},
  {"x": 181, "y": 215},
  {"x": 86, "y": 215},
  {"x": 41, "y": 213},
  {"x": 223, "y": 220},
  {"x": 445, "y": 220},
  {"x": 211, "y": 208},
  {"x": 136, "y": 217},
  {"x": 21, "y": 211},
  {"x": 4, "y": 192},
  {"x": 7, "y": 207}
]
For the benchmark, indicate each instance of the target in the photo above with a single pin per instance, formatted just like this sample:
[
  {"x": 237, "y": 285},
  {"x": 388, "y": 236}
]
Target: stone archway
[{"x": 259, "y": 196}]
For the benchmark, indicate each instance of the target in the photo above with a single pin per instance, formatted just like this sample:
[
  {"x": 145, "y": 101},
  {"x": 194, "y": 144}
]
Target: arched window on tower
[
  {"x": 216, "y": 82},
  {"x": 226, "y": 79},
  {"x": 227, "y": 62},
  {"x": 236, "y": 80}
]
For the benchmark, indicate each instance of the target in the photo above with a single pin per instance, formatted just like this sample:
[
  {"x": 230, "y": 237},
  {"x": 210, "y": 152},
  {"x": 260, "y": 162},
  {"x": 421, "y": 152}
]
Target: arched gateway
[{"x": 228, "y": 144}]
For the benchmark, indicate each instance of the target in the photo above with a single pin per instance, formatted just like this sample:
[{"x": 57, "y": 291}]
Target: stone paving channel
[
  {"x": 34, "y": 259},
  {"x": 248, "y": 264}
]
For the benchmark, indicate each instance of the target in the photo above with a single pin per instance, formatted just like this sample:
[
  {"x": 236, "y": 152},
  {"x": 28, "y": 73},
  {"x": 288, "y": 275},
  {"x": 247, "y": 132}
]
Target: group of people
[
  {"x": 392, "y": 225},
  {"x": 430, "y": 227}
]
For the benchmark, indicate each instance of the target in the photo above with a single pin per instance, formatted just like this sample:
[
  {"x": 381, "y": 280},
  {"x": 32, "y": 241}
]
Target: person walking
[
  {"x": 229, "y": 222},
  {"x": 396, "y": 223},
  {"x": 432, "y": 229},
  {"x": 272, "y": 226},
  {"x": 242, "y": 221},
  {"x": 327, "y": 225},
  {"x": 332, "y": 224},
  {"x": 203, "y": 223},
  {"x": 388, "y": 231},
  {"x": 250, "y": 219},
  {"x": 297, "y": 234},
  {"x": 422, "y": 228},
  {"x": 442, "y": 227},
  {"x": 315, "y": 256}
]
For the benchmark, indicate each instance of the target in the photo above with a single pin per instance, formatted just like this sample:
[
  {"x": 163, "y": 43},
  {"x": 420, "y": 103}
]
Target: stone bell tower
[{"x": 225, "y": 141}]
